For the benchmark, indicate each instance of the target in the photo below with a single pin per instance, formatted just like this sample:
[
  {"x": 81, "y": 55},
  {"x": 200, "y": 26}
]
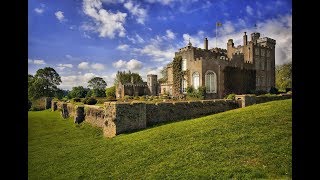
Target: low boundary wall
[{"x": 120, "y": 117}]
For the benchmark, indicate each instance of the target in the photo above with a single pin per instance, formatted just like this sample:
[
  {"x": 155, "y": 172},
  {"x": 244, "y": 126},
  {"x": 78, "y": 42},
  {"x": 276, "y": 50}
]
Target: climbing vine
[{"x": 177, "y": 75}]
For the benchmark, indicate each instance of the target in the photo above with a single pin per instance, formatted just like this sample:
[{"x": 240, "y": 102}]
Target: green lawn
[{"x": 247, "y": 143}]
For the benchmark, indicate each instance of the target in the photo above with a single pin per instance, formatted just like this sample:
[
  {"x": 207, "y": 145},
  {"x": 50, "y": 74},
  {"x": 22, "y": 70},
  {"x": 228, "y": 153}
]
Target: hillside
[{"x": 252, "y": 142}]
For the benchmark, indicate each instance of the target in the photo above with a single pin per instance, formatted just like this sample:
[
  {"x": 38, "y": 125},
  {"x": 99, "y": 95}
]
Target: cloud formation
[
  {"x": 123, "y": 47},
  {"x": 63, "y": 66},
  {"x": 132, "y": 65},
  {"x": 36, "y": 61},
  {"x": 136, "y": 11},
  {"x": 107, "y": 24},
  {"x": 93, "y": 66},
  {"x": 59, "y": 15}
]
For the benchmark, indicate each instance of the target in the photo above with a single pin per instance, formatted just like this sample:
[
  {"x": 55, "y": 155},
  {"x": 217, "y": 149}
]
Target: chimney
[
  {"x": 206, "y": 43},
  {"x": 132, "y": 79},
  {"x": 245, "y": 39}
]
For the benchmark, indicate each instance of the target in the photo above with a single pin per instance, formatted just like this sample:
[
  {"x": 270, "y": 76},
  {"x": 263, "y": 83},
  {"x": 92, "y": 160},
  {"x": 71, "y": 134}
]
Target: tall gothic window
[
  {"x": 195, "y": 80},
  {"x": 211, "y": 82},
  {"x": 184, "y": 65},
  {"x": 184, "y": 85},
  {"x": 257, "y": 81}
]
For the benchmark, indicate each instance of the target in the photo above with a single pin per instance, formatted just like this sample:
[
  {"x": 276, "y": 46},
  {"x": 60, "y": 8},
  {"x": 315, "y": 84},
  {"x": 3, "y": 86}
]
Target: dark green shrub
[
  {"x": 76, "y": 100},
  {"x": 274, "y": 90},
  {"x": 90, "y": 101}
]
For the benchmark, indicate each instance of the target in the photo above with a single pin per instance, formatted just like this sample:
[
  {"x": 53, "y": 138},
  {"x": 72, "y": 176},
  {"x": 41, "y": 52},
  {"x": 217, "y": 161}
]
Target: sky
[{"x": 82, "y": 39}]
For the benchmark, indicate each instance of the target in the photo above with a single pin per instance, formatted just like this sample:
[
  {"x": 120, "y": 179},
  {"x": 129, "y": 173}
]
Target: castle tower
[
  {"x": 255, "y": 36},
  {"x": 152, "y": 84},
  {"x": 206, "y": 43},
  {"x": 230, "y": 47},
  {"x": 245, "y": 39}
]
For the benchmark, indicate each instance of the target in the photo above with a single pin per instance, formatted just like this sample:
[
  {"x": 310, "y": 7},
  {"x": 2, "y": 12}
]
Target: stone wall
[
  {"x": 175, "y": 111},
  {"x": 120, "y": 117}
]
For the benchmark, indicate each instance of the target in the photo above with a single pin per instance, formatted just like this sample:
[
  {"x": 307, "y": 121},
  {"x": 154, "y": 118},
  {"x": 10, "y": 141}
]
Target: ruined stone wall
[{"x": 175, "y": 111}]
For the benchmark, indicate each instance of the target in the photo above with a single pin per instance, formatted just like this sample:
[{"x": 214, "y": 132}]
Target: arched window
[
  {"x": 211, "y": 82},
  {"x": 195, "y": 80},
  {"x": 183, "y": 85},
  {"x": 184, "y": 65}
]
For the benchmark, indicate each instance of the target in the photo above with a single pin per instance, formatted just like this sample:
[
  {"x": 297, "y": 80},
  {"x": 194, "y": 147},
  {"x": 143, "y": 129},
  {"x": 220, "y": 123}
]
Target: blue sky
[{"x": 82, "y": 39}]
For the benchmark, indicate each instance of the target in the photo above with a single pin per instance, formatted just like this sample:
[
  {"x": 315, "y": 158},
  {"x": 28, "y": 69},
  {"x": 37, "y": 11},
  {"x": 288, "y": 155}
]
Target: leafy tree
[
  {"x": 44, "y": 83},
  {"x": 98, "y": 86},
  {"x": 125, "y": 77},
  {"x": 111, "y": 92},
  {"x": 284, "y": 76},
  {"x": 78, "y": 92},
  {"x": 60, "y": 93},
  {"x": 164, "y": 74}
]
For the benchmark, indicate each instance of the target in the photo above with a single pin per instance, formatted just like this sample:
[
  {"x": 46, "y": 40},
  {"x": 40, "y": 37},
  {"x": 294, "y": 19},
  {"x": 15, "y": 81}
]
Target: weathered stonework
[
  {"x": 79, "y": 114},
  {"x": 118, "y": 117},
  {"x": 54, "y": 106},
  {"x": 47, "y": 102}
]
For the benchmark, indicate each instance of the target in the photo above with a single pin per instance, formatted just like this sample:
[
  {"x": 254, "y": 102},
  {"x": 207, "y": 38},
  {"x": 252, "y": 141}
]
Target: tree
[
  {"x": 98, "y": 86},
  {"x": 164, "y": 73},
  {"x": 125, "y": 77},
  {"x": 44, "y": 83},
  {"x": 284, "y": 76},
  {"x": 111, "y": 92},
  {"x": 78, "y": 92}
]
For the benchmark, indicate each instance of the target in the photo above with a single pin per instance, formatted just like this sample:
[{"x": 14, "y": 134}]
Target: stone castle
[{"x": 239, "y": 70}]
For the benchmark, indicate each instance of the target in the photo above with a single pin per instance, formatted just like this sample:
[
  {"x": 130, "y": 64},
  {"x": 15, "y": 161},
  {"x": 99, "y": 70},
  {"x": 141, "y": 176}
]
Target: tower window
[{"x": 184, "y": 65}]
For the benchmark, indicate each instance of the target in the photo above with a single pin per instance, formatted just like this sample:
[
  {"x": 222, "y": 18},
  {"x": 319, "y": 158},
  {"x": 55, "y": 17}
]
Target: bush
[
  {"x": 274, "y": 90},
  {"x": 76, "y": 100},
  {"x": 231, "y": 96},
  {"x": 111, "y": 92},
  {"x": 90, "y": 101}
]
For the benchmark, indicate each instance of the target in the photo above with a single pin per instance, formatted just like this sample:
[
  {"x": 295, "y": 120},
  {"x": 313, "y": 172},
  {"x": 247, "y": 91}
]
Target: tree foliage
[
  {"x": 98, "y": 86},
  {"x": 284, "y": 76},
  {"x": 111, "y": 92},
  {"x": 44, "y": 83},
  {"x": 124, "y": 77},
  {"x": 78, "y": 92},
  {"x": 164, "y": 73}
]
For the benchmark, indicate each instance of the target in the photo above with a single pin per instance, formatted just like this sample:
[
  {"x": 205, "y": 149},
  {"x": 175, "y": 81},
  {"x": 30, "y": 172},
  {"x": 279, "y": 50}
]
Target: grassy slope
[{"x": 252, "y": 142}]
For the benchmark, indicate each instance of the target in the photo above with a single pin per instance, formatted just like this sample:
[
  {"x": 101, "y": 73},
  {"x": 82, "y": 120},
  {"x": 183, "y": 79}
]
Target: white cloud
[
  {"x": 249, "y": 10},
  {"x": 135, "y": 10},
  {"x": 76, "y": 80},
  {"x": 123, "y": 47},
  {"x": 139, "y": 38},
  {"x": 84, "y": 65},
  {"x": 136, "y": 39},
  {"x": 97, "y": 66},
  {"x": 63, "y": 66},
  {"x": 170, "y": 34},
  {"x": 59, "y": 15},
  {"x": 163, "y": 2},
  {"x": 93, "y": 66},
  {"x": 132, "y": 65},
  {"x": 36, "y": 61},
  {"x": 107, "y": 24},
  {"x": 39, "y": 10}
]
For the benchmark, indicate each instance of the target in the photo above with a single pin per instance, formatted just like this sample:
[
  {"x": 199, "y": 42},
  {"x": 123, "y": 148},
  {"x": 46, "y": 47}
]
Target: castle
[{"x": 239, "y": 70}]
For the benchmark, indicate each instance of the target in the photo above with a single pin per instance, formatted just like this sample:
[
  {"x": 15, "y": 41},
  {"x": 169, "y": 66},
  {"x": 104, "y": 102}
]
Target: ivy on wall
[{"x": 177, "y": 75}]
